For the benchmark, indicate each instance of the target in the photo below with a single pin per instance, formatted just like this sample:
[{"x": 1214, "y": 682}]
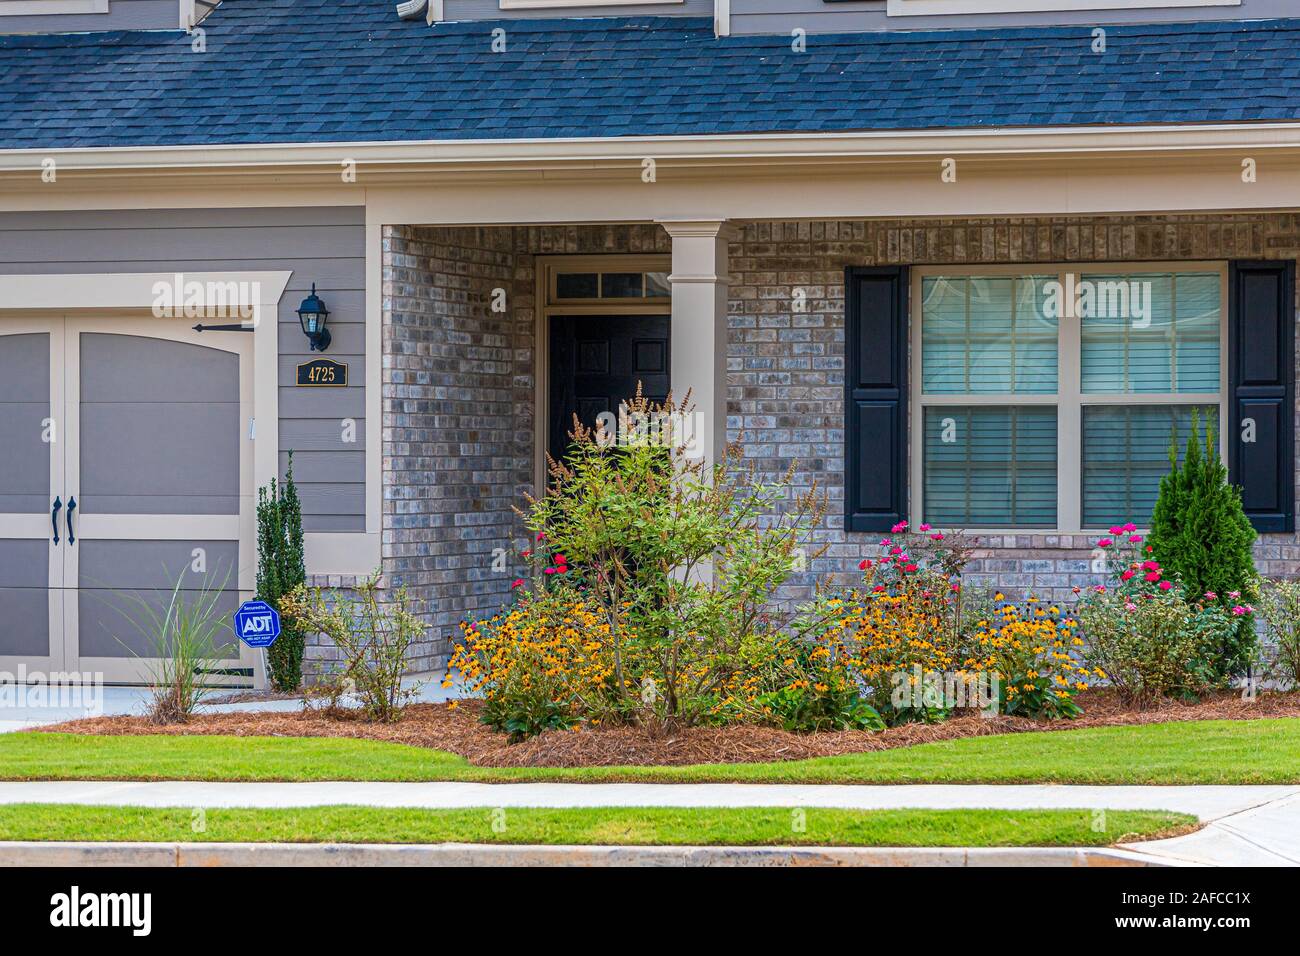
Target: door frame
[
  {"x": 117, "y": 301},
  {"x": 547, "y": 267}
]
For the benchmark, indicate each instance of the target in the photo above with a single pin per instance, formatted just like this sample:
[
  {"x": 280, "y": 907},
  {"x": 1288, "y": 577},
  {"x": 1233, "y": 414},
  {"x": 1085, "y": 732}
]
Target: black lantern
[{"x": 312, "y": 314}]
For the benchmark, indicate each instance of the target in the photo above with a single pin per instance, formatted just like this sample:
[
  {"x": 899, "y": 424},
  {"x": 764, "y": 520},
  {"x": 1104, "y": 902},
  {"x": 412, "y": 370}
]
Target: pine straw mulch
[{"x": 459, "y": 731}]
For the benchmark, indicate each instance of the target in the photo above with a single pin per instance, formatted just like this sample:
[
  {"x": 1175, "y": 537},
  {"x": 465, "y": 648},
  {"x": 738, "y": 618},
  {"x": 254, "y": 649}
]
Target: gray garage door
[
  {"x": 31, "y": 569},
  {"x": 144, "y": 489}
]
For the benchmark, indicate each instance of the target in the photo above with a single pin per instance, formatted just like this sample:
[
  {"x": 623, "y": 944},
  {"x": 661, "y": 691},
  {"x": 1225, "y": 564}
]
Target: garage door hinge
[{"x": 252, "y": 429}]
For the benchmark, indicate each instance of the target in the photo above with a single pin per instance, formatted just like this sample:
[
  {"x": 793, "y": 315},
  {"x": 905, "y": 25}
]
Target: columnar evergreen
[
  {"x": 1200, "y": 533},
  {"x": 280, "y": 569}
]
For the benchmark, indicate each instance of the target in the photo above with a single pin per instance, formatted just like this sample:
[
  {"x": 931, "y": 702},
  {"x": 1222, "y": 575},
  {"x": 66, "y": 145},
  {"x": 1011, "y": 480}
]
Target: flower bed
[{"x": 459, "y": 730}]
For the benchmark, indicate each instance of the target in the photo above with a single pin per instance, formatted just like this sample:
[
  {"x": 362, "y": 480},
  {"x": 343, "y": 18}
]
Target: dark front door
[{"x": 596, "y": 363}]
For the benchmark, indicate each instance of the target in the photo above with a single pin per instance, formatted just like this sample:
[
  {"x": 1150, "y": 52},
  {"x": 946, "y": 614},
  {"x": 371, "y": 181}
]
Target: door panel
[
  {"x": 160, "y": 465},
  {"x": 31, "y": 475},
  {"x": 595, "y": 364}
]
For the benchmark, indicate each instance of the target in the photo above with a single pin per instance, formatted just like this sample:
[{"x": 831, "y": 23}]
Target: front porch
[{"x": 757, "y": 321}]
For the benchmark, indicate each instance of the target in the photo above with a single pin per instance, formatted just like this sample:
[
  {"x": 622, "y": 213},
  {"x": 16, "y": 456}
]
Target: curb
[{"x": 468, "y": 854}]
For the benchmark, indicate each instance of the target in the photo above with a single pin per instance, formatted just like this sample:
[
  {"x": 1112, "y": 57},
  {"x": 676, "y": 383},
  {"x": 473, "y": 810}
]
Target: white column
[{"x": 699, "y": 326}]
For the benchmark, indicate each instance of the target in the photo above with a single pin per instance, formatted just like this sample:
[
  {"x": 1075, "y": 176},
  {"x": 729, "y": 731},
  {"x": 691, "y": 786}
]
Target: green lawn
[
  {"x": 606, "y": 825},
  {"x": 1254, "y": 751}
]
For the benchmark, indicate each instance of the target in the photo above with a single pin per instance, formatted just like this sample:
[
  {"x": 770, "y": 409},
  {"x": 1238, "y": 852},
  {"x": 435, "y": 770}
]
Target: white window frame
[
  {"x": 43, "y": 8},
  {"x": 927, "y": 8},
  {"x": 1069, "y": 397}
]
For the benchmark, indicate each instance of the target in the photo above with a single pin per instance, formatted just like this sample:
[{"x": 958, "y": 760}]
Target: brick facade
[
  {"x": 786, "y": 367},
  {"x": 458, "y": 407},
  {"x": 459, "y": 378}
]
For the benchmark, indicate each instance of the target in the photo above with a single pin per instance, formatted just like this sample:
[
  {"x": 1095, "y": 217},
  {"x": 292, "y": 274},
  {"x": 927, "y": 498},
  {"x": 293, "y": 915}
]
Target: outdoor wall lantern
[{"x": 313, "y": 314}]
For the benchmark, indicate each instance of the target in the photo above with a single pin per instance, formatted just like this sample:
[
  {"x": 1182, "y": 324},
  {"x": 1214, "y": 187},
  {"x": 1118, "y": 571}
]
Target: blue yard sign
[{"x": 257, "y": 624}]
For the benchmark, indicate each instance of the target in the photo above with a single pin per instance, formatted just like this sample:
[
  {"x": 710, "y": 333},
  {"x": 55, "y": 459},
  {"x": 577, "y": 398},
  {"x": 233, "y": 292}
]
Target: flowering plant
[
  {"x": 1143, "y": 634},
  {"x": 541, "y": 665},
  {"x": 1033, "y": 651}
]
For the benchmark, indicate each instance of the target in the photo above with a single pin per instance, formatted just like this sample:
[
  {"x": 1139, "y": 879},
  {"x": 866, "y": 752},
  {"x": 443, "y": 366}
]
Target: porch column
[{"x": 699, "y": 326}]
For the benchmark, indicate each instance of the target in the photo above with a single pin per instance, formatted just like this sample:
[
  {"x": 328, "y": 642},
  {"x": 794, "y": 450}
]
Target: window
[
  {"x": 637, "y": 286},
  {"x": 1047, "y": 399},
  {"x": 915, "y": 8}
]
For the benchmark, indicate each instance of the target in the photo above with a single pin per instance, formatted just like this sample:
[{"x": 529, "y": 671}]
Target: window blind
[
  {"x": 990, "y": 466},
  {"x": 1126, "y": 453}
]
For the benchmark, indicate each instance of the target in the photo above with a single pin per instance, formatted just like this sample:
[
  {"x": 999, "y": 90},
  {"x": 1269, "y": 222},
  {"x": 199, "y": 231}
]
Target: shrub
[
  {"x": 181, "y": 641},
  {"x": 373, "y": 639},
  {"x": 544, "y": 664},
  {"x": 682, "y": 562},
  {"x": 1200, "y": 535},
  {"x": 1280, "y": 610},
  {"x": 920, "y": 645},
  {"x": 1032, "y": 651},
  {"x": 281, "y": 569},
  {"x": 1144, "y": 636}
]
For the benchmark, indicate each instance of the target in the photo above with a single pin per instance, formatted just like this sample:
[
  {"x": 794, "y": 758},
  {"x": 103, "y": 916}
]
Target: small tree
[
  {"x": 1200, "y": 533},
  {"x": 682, "y": 558},
  {"x": 281, "y": 569}
]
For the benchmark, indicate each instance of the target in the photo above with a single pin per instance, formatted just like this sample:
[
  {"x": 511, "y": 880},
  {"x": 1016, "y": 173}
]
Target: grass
[
  {"x": 639, "y": 826},
  {"x": 1190, "y": 752}
]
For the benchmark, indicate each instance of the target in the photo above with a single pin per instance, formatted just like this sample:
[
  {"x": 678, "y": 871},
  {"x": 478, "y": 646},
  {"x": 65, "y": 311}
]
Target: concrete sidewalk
[
  {"x": 111, "y": 701},
  {"x": 1257, "y": 825}
]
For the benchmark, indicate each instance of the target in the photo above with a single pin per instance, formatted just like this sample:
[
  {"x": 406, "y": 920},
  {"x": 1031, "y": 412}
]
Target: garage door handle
[
  {"x": 54, "y": 518},
  {"x": 72, "y": 506}
]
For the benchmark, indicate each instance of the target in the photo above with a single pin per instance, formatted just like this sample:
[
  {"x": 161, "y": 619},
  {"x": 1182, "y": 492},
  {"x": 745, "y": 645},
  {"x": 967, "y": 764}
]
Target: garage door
[{"x": 149, "y": 487}]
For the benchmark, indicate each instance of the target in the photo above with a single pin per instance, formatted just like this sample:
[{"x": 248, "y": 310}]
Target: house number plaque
[{"x": 323, "y": 373}]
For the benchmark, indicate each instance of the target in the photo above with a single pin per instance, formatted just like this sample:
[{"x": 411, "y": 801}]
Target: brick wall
[
  {"x": 456, "y": 416},
  {"x": 786, "y": 367},
  {"x": 458, "y": 378},
  {"x": 458, "y": 407}
]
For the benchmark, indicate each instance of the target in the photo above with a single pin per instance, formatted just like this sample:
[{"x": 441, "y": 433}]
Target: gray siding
[
  {"x": 491, "y": 10},
  {"x": 820, "y": 16},
  {"x": 121, "y": 15},
  {"x": 321, "y": 245}
]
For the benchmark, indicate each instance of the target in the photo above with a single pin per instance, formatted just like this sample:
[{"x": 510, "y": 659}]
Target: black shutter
[
  {"x": 875, "y": 397},
  {"x": 1261, "y": 380}
]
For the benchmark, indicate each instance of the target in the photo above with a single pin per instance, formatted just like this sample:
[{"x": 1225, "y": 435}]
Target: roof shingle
[{"x": 280, "y": 71}]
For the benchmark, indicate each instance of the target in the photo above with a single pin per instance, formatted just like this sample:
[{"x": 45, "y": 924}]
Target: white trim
[
  {"x": 374, "y": 381},
  {"x": 41, "y": 8},
  {"x": 925, "y": 8},
  {"x": 722, "y": 18},
  {"x": 1068, "y": 399},
  {"x": 891, "y": 144},
  {"x": 545, "y": 271},
  {"x": 557, "y": 4}
]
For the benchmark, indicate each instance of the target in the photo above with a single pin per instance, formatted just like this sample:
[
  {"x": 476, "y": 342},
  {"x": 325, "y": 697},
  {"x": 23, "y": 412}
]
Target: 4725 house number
[{"x": 323, "y": 373}]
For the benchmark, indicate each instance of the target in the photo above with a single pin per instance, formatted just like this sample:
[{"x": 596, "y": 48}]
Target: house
[{"x": 966, "y": 262}]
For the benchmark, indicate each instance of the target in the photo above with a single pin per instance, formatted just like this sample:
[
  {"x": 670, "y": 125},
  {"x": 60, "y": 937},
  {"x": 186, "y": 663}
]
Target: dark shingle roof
[{"x": 279, "y": 71}]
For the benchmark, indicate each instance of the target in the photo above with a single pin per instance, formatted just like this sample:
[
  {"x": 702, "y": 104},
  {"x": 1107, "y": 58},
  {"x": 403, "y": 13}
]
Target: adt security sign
[{"x": 257, "y": 624}]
